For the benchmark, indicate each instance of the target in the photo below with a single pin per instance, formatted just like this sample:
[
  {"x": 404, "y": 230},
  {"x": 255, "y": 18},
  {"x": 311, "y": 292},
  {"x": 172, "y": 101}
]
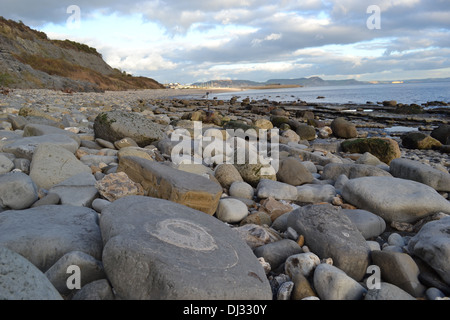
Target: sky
[{"x": 188, "y": 41}]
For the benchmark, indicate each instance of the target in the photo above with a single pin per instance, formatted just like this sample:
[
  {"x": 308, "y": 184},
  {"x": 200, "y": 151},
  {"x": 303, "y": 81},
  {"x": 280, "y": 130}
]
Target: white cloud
[{"x": 252, "y": 38}]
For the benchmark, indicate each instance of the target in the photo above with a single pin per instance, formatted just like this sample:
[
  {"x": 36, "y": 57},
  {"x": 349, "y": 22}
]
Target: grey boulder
[
  {"x": 17, "y": 191},
  {"x": 370, "y": 225},
  {"x": 116, "y": 125},
  {"x": 25, "y": 147},
  {"x": 21, "y": 280},
  {"x": 420, "y": 172},
  {"x": 44, "y": 234},
  {"x": 330, "y": 233},
  {"x": 394, "y": 199},
  {"x": 332, "y": 283},
  {"x": 432, "y": 245},
  {"x": 157, "y": 249}
]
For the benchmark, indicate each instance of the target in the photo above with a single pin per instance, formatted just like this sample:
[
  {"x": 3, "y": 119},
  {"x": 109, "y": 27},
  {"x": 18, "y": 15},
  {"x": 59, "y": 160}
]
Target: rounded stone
[
  {"x": 303, "y": 263},
  {"x": 241, "y": 189},
  {"x": 231, "y": 210},
  {"x": 226, "y": 174}
]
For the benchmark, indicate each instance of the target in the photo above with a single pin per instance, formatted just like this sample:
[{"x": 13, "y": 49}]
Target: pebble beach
[{"x": 357, "y": 206}]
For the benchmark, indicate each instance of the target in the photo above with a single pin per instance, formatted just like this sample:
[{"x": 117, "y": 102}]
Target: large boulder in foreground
[
  {"x": 157, "y": 249},
  {"x": 164, "y": 182},
  {"x": 330, "y": 233},
  {"x": 116, "y": 125},
  {"x": 394, "y": 199}
]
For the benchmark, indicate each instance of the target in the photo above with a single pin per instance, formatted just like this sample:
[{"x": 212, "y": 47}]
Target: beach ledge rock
[
  {"x": 157, "y": 249},
  {"x": 116, "y": 125}
]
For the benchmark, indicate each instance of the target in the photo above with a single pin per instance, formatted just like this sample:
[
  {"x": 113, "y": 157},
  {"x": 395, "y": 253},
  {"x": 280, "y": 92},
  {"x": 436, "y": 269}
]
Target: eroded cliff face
[{"x": 28, "y": 59}]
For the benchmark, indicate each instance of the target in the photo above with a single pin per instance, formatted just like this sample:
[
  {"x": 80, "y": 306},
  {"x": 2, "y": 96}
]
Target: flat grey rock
[
  {"x": 53, "y": 164},
  {"x": 420, "y": 172},
  {"x": 33, "y": 129},
  {"x": 157, "y": 249},
  {"x": 116, "y": 125},
  {"x": 333, "y": 170},
  {"x": 394, "y": 199},
  {"x": 44, "y": 234},
  {"x": 25, "y": 147},
  {"x": 78, "y": 190},
  {"x": 21, "y": 280}
]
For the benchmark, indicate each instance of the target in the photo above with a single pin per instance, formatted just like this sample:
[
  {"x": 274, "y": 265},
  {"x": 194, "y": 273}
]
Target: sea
[{"x": 406, "y": 93}]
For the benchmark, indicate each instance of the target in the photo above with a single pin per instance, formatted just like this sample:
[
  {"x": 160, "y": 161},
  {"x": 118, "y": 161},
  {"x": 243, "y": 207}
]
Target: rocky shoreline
[{"x": 358, "y": 206}]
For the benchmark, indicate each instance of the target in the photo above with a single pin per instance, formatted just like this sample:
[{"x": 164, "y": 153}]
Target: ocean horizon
[{"x": 406, "y": 93}]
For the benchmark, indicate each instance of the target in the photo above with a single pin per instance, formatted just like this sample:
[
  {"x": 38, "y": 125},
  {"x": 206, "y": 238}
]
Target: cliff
[{"x": 28, "y": 59}]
